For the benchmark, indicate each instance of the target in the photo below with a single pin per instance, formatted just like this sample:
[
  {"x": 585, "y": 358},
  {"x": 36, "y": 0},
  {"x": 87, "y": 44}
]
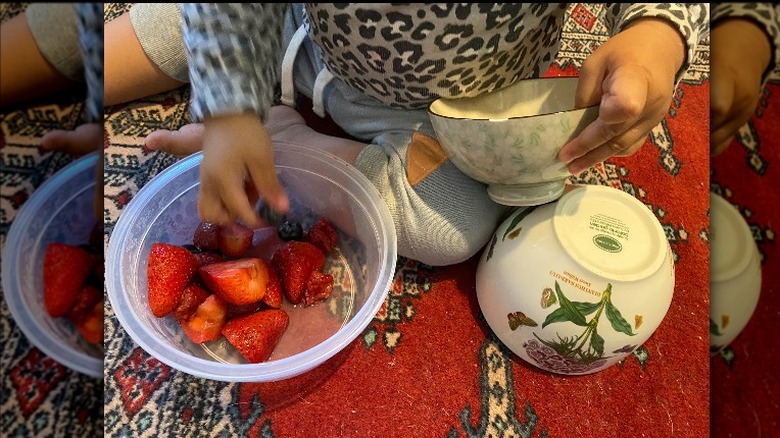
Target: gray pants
[{"x": 441, "y": 216}]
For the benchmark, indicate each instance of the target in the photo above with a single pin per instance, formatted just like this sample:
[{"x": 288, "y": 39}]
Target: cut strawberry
[
  {"x": 273, "y": 291},
  {"x": 65, "y": 269},
  {"x": 235, "y": 239},
  {"x": 255, "y": 336},
  {"x": 86, "y": 299},
  {"x": 192, "y": 297},
  {"x": 206, "y": 236},
  {"x": 238, "y": 282},
  {"x": 294, "y": 262},
  {"x": 170, "y": 269},
  {"x": 323, "y": 236},
  {"x": 318, "y": 288},
  {"x": 206, "y": 323},
  {"x": 91, "y": 327}
]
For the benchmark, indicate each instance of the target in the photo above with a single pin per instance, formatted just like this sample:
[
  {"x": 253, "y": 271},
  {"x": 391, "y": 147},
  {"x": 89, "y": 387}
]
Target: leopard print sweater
[{"x": 404, "y": 55}]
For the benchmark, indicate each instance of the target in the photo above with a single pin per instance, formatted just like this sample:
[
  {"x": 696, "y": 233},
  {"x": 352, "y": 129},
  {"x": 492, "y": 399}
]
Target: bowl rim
[
  {"x": 266, "y": 371},
  {"x": 60, "y": 352},
  {"x": 740, "y": 231},
  {"x": 570, "y": 111}
]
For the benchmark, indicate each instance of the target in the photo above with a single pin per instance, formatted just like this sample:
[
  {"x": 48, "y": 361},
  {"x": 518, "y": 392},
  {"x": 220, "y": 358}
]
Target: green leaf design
[
  {"x": 572, "y": 313},
  {"x": 517, "y": 220},
  {"x": 585, "y": 308},
  {"x": 714, "y": 328},
  {"x": 597, "y": 342},
  {"x": 616, "y": 319},
  {"x": 518, "y": 319},
  {"x": 559, "y": 315}
]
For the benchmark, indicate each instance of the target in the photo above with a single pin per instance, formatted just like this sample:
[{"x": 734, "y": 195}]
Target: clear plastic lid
[{"x": 610, "y": 233}]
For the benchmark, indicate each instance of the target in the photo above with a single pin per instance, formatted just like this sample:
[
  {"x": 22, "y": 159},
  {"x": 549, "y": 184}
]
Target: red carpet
[{"x": 745, "y": 382}]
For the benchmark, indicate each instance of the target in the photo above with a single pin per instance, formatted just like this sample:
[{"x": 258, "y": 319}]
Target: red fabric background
[{"x": 746, "y": 392}]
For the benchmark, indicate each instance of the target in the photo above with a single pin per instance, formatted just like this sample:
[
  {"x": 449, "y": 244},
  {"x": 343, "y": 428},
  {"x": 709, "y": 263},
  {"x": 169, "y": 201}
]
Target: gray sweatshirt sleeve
[
  {"x": 765, "y": 15},
  {"x": 54, "y": 27},
  {"x": 690, "y": 19},
  {"x": 158, "y": 29},
  {"x": 232, "y": 50}
]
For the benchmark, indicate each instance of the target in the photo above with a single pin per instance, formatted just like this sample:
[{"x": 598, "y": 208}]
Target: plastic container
[
  {"x": 318, "y": 184},
  {"x": 60, "y": 210}
]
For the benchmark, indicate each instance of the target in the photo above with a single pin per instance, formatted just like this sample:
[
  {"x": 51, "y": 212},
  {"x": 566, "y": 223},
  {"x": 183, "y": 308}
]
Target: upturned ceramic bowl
[
  {"x": 575, "y": 285},
  {"x": 510, "y": 138},
  {"x": 735, "y": 273}
]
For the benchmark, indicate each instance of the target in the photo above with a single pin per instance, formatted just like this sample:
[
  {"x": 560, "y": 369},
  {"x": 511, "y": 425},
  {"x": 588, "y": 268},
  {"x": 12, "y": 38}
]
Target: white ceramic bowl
[
  {"x": 735, "y": 273},
  {"x": 60, "y": 210},
  {"x": 318, "y": 184},
  {"x": 575, "y": 285},
  {"x": 510, "y": 138}
]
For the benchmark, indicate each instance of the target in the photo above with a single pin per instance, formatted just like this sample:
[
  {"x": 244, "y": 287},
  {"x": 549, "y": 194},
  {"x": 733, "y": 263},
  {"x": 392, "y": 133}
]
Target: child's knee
[{"x": 441, "y": 215}]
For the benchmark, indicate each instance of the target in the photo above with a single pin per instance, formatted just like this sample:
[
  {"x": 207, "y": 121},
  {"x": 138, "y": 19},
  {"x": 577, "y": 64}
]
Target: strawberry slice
[
  {"x": 206, "y": 323},
  {"x": 238, "y": 282},
  {"x": 323, "y": 236},
  {"x": 65, "y": 269},
  {"x": 273, "y": 291},
  {"x": 170, "y": 268},
  {"x": 192, "y": 297},
  {"x": 294, "y": 262},
  {"x": 318, "y": 288},
  {"x": 255, "y": 336},
  {"x": 91, "y": 326},
  {"x": 235, "y": 239},
  {"x": 86, "y": 299}
]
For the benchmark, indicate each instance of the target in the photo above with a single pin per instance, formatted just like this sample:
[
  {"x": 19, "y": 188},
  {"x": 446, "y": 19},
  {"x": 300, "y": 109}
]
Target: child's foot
[
  {"x": 188, "y": 139},
  {"x": 284, "y": 125},
  {"x": 81, "y": 141},
  {"x": 185, "y": 141}
]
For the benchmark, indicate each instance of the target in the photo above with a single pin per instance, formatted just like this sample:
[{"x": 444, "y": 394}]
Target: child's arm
[
  {"x": 745, "y": 48},
  {"x": 633, "y": 76},
  {"x": 232, "y": 50}
]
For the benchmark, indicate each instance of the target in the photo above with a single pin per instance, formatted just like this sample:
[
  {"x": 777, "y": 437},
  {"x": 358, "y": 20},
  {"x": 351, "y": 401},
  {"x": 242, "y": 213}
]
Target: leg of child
[{"x": 38, "y": 53}]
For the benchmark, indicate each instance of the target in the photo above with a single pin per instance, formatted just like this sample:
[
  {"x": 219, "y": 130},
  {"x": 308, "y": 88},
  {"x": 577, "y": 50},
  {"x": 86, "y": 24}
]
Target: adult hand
[
  {"x": 632, "y": 77},
  {"x": 740, "y": 54}
]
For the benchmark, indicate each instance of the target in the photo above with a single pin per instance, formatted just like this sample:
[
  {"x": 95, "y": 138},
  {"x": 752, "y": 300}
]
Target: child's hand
[
  {"x": 632, "y": 75},
  {"x": 237, "y": 167},
  {"x": 740, "y": 55}
]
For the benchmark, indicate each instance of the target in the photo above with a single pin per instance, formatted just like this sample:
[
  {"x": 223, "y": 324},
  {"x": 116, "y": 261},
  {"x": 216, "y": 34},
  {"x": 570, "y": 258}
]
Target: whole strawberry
[
  {"x": 65, "y": 270},
  {"x": 255, "y": 336},
  {"x": 170, "y": 268},
  {"x": 294, "y": 262}
]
